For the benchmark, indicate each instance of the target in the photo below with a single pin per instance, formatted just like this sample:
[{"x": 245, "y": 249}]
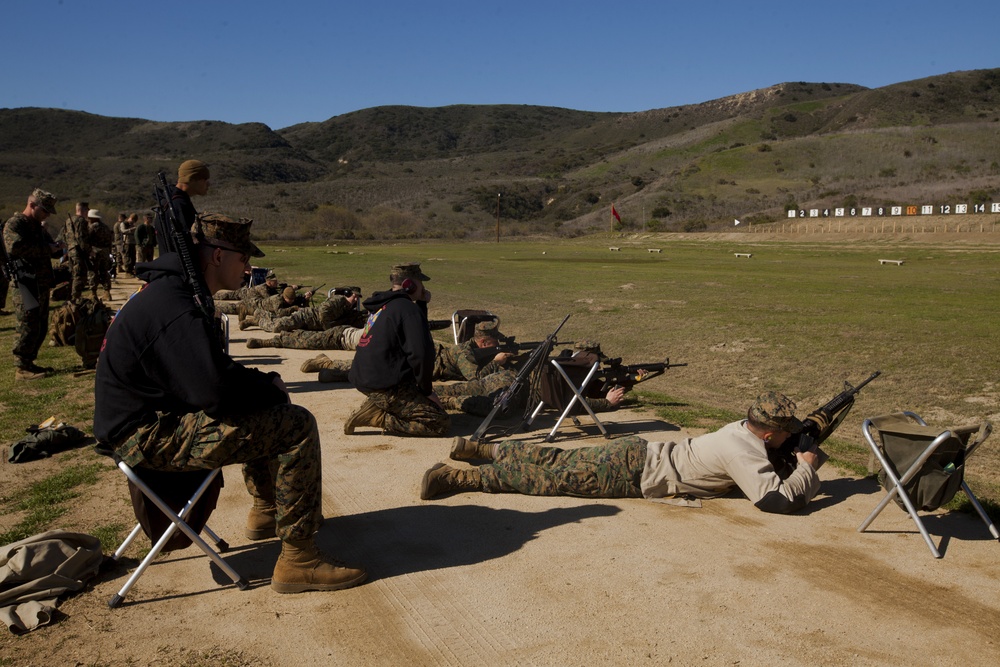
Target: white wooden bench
[
  {"x": 614, "y": 249},
  {"x": 653, "y": 250},
  {"x": 748, "y": 255},
  {"x": 897, "y": 262}
]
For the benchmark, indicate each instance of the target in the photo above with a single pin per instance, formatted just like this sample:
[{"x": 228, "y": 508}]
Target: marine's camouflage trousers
[
  {"x": 329, "y": 339},
  {"x": 278, "y": 447},
  {"x": 32, "y": 325},
  {"x": 79, "y": 268},
  {"x": 410, "y": 413},
  {"x": 306, "y": 319},
  {"x": 476, "y": 397},
  {"x": 100, "y": 272},
  {"x": 611, "y": 470}
]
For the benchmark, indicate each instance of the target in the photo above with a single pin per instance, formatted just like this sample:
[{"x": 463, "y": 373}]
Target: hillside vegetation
[{"x": 408, "y": 172}]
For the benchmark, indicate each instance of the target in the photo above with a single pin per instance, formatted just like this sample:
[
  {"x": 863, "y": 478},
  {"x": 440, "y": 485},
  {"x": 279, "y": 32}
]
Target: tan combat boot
[
  {"x": 369, "y": 414},
  {"x": 316, "y": 364},
  {"x": 28, "y": 374},
  {"x": 470, "y": 450},
  {"x": 247, "y": 322},
  {"x": 441, "y": 479},
  {"x": 303, "y": 567},
  {"x": 261, "y": 522},
  {"x": 332, "y": 375}
]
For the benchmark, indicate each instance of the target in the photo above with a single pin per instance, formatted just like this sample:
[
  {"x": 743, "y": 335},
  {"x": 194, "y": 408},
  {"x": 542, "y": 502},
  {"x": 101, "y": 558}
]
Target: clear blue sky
[{"x": 283, "y": 63}]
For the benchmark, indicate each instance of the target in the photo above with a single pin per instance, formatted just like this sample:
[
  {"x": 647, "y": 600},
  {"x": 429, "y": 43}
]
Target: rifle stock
[{"x": 617, "y": 374}]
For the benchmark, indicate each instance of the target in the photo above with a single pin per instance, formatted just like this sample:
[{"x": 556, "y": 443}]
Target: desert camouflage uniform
[
  {"x": 279, "y": 448},
  {"x": 78, "y": 249},
  {"x": 25, "y": 239},
  {"x": 612, "y": 470}
]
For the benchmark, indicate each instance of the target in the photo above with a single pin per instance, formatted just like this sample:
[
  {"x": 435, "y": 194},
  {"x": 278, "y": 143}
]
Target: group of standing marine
[{"x": 169, "y": 397}]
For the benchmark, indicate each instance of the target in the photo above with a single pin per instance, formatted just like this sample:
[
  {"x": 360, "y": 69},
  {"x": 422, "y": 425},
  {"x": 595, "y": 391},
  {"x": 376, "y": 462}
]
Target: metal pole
[{"x": 498, "y": 217}]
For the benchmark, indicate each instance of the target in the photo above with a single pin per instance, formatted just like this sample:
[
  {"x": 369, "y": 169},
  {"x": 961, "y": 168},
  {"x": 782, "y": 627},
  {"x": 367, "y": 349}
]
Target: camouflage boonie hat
[
  {"x": 487, "y": 330},
  {"x": 288, "y": 294},
  {"x": 776, "y": 410},
  {"x": 411, "y": 270},
  {"x": 45, "y": 199},
  {"x": 218, "y": 230}
]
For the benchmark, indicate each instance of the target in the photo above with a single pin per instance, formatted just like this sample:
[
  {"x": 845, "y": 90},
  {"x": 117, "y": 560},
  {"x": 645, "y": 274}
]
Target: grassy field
[{"x": 800, "y": 317}]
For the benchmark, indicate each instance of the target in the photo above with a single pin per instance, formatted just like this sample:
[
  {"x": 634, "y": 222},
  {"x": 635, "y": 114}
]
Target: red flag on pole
[{"x": 615, "y": 213}]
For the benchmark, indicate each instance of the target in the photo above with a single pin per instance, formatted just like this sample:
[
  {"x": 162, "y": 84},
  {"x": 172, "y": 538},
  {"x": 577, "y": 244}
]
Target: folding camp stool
[
  {"x": 258, "y": 275},
  {"x": 177, "y": 522},
  {"x": 904, "y": 439},
  {"x": 564, "y": 389},
  {"x": 463, "y": 323}
]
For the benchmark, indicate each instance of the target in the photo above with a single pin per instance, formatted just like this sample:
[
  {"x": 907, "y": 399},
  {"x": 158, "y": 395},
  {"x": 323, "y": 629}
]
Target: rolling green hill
[{"x": 404, "y": 172}]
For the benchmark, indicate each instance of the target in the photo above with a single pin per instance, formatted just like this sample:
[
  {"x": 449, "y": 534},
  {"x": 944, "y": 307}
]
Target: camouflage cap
[
  {"x": 45, "y": 199},
  {"x": 271, "y": 275},
  {"x": 218, "y": 230},
  {"x": 411, "y": 270},
  {"x": 192, "y": 170},
  {"x": 288, "y": 294},
  {"x": 347, "y": 289},
  {"x": 776, "y": 410},
  {"x": 487, "y": 329}
]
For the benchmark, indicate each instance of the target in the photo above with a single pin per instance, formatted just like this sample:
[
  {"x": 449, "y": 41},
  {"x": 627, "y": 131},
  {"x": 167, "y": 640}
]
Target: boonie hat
[
  {"x": 192, "y": 170},
  {"x": 45, "y": 199},
  {"x": 222, "y": 231},
  {"x": 487, "y": 330},
  {"x": 776, "y": 410},
  {"x": 94, "y": 214},
  {"x": 411, "y": 270}
]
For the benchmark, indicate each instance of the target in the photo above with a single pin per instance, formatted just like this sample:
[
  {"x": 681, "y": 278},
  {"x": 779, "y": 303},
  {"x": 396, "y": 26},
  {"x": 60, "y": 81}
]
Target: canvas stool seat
[
  {"x": 168, "y": 540},
  {"x": 922, "y": 467}
]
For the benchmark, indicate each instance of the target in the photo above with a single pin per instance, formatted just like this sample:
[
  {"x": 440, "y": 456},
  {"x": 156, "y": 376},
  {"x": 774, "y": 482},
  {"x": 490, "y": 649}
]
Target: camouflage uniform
[
  {"x": 279, "y": 448},
  {"x": 27, "y": 241},
  {"x": 145, "y": 241},
  {"x": 476, "y": 397},
  {"x": 457, "y": 362},
  {"x": 78, "y": 249},
  {"x": 335, "y": 311},
  {"x": 330, "y": 339},
  {"x": 128, "y": 246},
  {"x": 611, "y": 470},
  {"x": 409, "y": 412},
  {"x": 100, "y": 256}
]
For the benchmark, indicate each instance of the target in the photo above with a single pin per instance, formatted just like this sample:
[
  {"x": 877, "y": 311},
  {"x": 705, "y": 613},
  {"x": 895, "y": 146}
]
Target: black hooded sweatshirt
[
  {"x": 396, "y": 346},
  {"x": 161, "y": 354}
]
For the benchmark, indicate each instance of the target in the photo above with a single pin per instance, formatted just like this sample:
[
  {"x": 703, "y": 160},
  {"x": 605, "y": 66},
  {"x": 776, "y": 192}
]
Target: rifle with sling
[
  {"x": 502, "y": 402},
  {"x": 508, "y": 344},
  {"x": 174, "y": 235},
  {"x": 16, "y": 272}
]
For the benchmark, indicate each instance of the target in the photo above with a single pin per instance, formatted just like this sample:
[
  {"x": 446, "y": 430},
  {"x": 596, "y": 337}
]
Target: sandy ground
[{"x": 509, "y": 580}]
